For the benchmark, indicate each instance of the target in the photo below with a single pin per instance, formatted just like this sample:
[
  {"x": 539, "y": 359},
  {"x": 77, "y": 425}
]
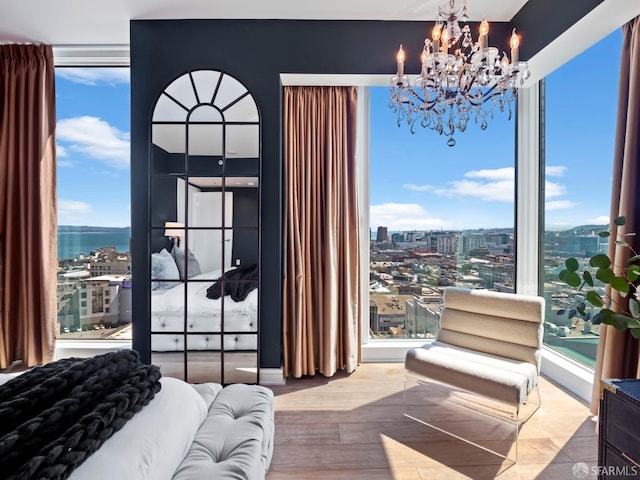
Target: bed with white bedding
[
  {"x": 203, "y": 316},
  {"x": 181, "y": 432}
]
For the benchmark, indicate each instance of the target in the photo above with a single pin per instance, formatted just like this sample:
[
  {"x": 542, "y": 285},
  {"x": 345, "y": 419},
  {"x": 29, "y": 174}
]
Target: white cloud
[
  {"x": 556, "y": 171},
  {"x": 96, "y": 138},
  {"x": 552, "y": 189},
  {"x": 497, "y": 185},
  {"x": 94, "y": 76},
  {"x": 506, "y": 173},
  {"x": 499, "y": 191},
  {"x": 71, "y": 212},
  {"x": 559, "y": 204},
  {"x": 61, "y": 151},
  {"x": 492, "y": 185},
  {"x": 403, "y": 216},
  {"x": 417, "y": 188}
]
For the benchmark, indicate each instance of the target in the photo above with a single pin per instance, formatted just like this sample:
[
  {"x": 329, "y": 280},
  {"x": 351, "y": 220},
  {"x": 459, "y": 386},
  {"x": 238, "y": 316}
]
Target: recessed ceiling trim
[{"x": 91, "y": 55}]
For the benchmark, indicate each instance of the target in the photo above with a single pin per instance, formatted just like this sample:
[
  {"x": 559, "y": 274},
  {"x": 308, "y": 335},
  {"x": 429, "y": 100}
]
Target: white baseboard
[
  {"x": 388, "y": 351},
  {"x": 272, "y": 376}
]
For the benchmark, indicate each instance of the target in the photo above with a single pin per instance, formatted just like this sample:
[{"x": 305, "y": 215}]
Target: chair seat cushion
[{"x": 496, "y": 377}]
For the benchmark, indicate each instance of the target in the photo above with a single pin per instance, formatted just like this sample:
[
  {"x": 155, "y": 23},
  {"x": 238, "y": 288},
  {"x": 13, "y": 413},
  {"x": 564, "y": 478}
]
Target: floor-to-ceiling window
[
  {"x": 438, "y": 216},
  {"x": 93, "y": 183},
  {"x": 580, "y": 101}
]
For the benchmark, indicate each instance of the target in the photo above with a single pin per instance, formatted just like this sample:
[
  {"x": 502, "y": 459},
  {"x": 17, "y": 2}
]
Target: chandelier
[{"x": 460, "y": 79}]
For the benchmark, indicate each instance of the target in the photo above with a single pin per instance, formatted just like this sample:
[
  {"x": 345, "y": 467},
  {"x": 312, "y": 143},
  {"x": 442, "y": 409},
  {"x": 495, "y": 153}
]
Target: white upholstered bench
[{"x": 488, "y": 343}]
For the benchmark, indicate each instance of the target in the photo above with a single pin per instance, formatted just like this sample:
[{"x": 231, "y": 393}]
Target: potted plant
[
  {"x": 598, "y": 278},
  {"x": 625, "y": 409}
]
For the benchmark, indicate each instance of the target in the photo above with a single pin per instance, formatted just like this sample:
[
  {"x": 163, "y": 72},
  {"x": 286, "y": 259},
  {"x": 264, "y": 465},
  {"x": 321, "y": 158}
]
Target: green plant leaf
[
  {"x": 588, "y": 279},
  {"x": 632, "y": 322},
  {"x": 633, "y": 273},
  {"x": 635, "y": 332},
  {"x": 600, "y": 260},
  {"x": 604, "y": 234},
  {"x": 616, "y": 320},
  {"x": 605, "y": 275},
  {"x": 562, "y": 274},
  {"x": 620, "y": 284},
  {"x": 594, "y": 299},
  {"x": 572, "y": 279},
  {"x": 571, "y": 264},
  {"x": 620, "y": 220},
  {"x": 634, "y": 258},
  {"x": 621, "y": 243},
  {"x": 634, "y": 309}
]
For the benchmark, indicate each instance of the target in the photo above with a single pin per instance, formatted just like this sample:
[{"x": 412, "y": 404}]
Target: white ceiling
[
  {"x": 106, "y": 22},
  {"x": 96, "y": 24}
]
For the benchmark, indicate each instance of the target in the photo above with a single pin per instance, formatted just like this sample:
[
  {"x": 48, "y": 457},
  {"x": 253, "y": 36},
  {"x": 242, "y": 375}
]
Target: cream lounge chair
[{"x": 489, "y": 344}]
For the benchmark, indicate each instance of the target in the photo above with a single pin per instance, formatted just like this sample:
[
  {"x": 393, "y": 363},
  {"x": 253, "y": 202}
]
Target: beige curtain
[
  {"x": 618, "y": 352},
  {"x": 321, "y": 324},
  {"x": 27, "y": 204}
]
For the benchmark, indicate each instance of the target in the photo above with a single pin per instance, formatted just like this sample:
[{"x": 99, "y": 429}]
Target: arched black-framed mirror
[{"x": 204, "y": 231}]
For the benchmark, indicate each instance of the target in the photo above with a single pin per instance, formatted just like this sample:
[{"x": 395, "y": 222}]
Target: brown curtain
[
  {"x": 618, "y": 351},
  {"x": 321, "y": 324},
  {"x": 27, "y": 204}
]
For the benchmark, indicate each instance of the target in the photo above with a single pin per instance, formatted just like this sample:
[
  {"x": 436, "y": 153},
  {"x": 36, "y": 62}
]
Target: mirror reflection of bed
[
  {"x": 204, "y": 182},
  {"x": 208, "y": 249}
]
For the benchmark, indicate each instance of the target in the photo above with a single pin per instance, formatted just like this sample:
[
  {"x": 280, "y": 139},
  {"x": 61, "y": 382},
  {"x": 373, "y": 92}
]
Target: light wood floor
[{"x": 352, "y": 427}]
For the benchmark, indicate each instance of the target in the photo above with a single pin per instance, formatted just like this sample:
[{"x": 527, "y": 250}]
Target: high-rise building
[{"x": 382, "y": 235}]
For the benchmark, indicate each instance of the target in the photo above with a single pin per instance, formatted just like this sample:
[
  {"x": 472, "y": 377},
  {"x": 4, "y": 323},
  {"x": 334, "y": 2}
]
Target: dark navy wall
[
  {"x": 541, "y": 21},
  {"x": 256, "y": 52}
]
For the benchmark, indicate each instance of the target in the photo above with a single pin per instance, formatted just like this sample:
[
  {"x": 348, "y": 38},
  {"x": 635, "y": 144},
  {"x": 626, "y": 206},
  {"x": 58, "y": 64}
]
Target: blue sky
[
  {"x": 92, "y": 136},
  {"x": 417, "y": 182}
]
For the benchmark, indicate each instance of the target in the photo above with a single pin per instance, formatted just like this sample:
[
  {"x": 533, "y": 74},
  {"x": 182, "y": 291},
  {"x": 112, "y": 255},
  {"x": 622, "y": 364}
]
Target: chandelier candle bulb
[
  {"x": 400, "y": 58},
  {"x": 435, "y": 35},
  {"x": 514, "y": 43},
  {"x": 445, "y": 41},
  {"x": 505, "y": 62},
  {"x": 483, "y": 39}
]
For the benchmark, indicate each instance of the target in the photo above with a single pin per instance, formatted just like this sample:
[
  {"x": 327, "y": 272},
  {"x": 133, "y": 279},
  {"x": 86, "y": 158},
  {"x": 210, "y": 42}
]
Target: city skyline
[{"x": 417, "y": 182}]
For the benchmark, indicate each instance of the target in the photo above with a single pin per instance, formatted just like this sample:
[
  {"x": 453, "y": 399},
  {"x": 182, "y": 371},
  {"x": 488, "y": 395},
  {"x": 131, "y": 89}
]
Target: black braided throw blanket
[{"x": 53, "y": 417}]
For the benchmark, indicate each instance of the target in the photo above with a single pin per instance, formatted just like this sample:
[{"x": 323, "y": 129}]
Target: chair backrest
[{"x": 504, "y": 324}]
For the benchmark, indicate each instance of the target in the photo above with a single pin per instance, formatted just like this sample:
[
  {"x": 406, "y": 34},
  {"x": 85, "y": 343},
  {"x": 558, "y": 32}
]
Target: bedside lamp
[{"x": 175, "y": 231}]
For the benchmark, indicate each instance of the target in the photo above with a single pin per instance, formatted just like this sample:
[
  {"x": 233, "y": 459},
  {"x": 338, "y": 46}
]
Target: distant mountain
[
  {"x": 587, "y": 229},
  {"x": 90, "y": 229}
]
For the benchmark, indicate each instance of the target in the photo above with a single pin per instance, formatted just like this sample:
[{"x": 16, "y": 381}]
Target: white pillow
[
  {"x": 153, "y": 443},
  {"x": 163, "y": 267},
  {"x": 5, "y": 377},
  {"x": 193, "y": 266}
]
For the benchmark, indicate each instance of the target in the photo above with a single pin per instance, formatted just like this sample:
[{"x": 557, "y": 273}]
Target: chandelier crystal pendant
[{"x": 460, "y": 79}]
